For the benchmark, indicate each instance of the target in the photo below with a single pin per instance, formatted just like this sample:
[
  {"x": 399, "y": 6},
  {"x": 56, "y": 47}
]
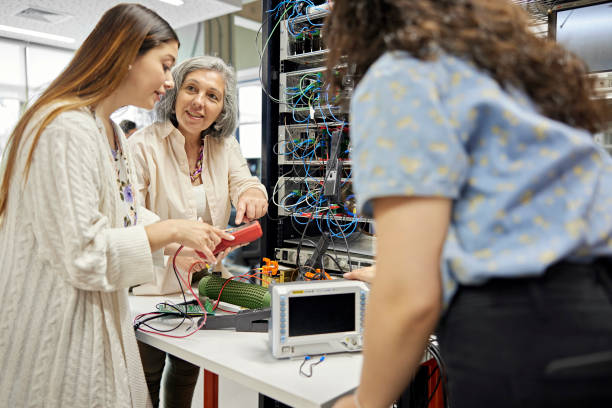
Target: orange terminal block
[
  {"x": 312, "y": 275},
  {"x": 269, "y": 271},
  {"x": 270, "y": 268}
]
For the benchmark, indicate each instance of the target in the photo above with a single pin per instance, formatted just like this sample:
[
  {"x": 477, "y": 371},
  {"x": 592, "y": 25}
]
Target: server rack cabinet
[{"x": 306, "y": 164}]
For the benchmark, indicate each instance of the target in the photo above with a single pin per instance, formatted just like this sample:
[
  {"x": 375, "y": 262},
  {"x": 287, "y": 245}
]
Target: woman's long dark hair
[
  {"x": 494, "y": 34},
  {"x": 96, "y": 70}
]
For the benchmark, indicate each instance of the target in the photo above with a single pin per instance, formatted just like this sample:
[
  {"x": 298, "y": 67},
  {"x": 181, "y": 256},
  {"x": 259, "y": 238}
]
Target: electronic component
[
  {"x": 242, "y": 235},
  {"x": 190, "y": 309},
  {"x": 255, "y": 320},
  {"x": 234, "y": 292},
  {"x": 317, "y": 317},
  {"x": 333, "y": 170},
  {"x": 314, "y": 261},
  {"x": 272, "y": 272},
  {"x": 333, "y": 261},
  {"x": 306, "y": 148}
]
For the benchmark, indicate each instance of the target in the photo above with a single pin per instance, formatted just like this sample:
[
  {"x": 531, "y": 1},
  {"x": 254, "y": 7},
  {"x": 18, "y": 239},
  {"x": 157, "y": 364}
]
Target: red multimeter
[{"x": 242, "y": 235}]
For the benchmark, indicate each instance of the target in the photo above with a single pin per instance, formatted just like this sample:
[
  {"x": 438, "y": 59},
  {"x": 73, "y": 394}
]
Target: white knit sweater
[{"x": 66, "y": 336}]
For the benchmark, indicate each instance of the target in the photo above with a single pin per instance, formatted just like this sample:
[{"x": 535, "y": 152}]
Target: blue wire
[
  {"x": 308, "y": 16},
  {"x": 324, "y": 121},
  {"x": 277, "y": 6},
  {"x": 341, "y": 228},
  {"x": 329, "y": 108},
  {"x": 349, "y": 212}
]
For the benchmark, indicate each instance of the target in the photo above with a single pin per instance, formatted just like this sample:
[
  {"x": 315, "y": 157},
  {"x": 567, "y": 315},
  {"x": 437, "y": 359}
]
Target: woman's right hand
[
  {"x": 199, "y": 236},
  {"x": 366, "y": 274},
  {"x": 194, "y": 234}
]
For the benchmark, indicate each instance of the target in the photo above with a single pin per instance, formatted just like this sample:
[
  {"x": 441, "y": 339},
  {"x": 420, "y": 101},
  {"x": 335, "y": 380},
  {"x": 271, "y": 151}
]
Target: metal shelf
[
  {"x": 313, "y": 57},
  {"x": 312, "y": 16},
  {"x": 289, "y": 256},
  {"x": 289, "y": 162}
]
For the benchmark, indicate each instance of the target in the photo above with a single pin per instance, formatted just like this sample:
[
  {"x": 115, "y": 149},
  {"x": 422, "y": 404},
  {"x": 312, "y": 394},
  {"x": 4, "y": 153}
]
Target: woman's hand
[
  {"x": 193, "y": 263},
  {"x": 226, "y": 251},
  {"x": 366, "y": 274},
  {"x": 200, "y": 236},
  {"x": 252, "y": 204}
]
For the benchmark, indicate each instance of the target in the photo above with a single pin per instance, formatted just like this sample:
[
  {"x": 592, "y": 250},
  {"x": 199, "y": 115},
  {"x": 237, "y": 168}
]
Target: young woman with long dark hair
[{"x": 491, "y": 204}]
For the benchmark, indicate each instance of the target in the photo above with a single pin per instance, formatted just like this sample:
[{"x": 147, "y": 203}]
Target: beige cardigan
[
  {"x": 66, "y": 336},
  {"x": 165, "y": 187}
]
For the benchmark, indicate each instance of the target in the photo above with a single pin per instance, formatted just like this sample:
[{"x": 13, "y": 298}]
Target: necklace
[
  {"x": 198, "y": 166},
  {"x": 122, "y": 169}
]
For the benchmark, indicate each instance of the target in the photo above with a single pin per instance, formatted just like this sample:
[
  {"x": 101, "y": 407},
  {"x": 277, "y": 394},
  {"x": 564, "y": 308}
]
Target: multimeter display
[{"x": 321, "y": 314}]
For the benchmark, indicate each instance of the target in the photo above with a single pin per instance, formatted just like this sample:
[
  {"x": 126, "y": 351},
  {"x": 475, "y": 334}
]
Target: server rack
[{"x": 312, "y": 222}]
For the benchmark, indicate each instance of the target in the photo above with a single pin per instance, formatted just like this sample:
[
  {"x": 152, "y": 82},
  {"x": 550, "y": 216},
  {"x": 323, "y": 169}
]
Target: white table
[{"x": 245, "y": 358}]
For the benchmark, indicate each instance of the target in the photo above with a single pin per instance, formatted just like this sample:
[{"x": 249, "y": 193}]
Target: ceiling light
[
  {"x": 173, "y": 2},
  {"x": 33, "y": 33}
]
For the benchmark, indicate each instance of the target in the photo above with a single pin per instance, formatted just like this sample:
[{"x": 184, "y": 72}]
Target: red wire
[
  {"x": 216, "y": 305},
  {"x": 194, "y": 295},
  {"x": 227, "y": 311}
]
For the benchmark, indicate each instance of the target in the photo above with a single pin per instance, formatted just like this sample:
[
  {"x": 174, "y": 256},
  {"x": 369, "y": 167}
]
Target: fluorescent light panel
[
  {"x": 173, "y": 2},
  {"x": 33, "y": 33}
]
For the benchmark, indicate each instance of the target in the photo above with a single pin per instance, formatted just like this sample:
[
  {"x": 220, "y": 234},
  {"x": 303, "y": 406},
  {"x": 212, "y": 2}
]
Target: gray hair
[{"x": 227, "y": 121}]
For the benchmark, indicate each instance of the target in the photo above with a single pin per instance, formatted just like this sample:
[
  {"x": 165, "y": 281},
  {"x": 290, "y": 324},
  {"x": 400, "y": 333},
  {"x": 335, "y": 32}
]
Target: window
[
  {"x": 12, "y": 70},
  {"x": 9, "y": 115},
  {"x": 12, "y": 87},
  {"x": 249, "y": 114},
  {"x": 44, "y": 64}
]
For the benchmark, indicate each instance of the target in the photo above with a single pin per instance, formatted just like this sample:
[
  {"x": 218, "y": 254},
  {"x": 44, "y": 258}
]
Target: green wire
[{"x": 274, "y": 29}]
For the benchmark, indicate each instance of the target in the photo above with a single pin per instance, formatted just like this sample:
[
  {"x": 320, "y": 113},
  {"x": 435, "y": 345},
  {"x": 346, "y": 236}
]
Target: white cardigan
[{"x": 66, "y": 261}]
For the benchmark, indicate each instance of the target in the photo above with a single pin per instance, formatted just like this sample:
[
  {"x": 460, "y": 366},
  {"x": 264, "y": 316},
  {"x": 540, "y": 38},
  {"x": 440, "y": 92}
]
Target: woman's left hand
[
  {"x": 252, "y": 204},
  {"x": 226, "y": 252},
  {"x": 190, "y": 263}
]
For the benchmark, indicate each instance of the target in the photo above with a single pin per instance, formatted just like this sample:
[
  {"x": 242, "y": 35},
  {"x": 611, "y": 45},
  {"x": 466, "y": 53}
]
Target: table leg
[{"x": 211, "y": 389}]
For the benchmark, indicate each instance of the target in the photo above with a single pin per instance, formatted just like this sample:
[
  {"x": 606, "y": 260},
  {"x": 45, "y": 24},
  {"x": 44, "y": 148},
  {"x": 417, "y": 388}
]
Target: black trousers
[
  {"x": 179, "y": 379},
  {"x": 532, "y": 342}
]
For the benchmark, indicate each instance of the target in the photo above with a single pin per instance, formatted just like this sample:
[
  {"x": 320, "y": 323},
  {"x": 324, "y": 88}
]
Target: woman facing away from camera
[
  {"x": 492, "y": 205},
  {"x": 73, "y": 237},
  {"x": 189, "y": 165}
]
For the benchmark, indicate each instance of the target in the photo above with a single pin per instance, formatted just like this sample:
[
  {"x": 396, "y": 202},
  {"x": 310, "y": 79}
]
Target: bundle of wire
[
  {"x": 434, "y": 350},
  {"x": 291, "y": 10},
  {"x": 144, "y": 318},
  {"x": 311, "y": 107}
]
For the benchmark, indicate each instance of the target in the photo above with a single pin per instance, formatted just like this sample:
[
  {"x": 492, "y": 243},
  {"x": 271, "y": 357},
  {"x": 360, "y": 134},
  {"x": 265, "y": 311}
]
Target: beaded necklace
[{"x": 198, "y": 167}]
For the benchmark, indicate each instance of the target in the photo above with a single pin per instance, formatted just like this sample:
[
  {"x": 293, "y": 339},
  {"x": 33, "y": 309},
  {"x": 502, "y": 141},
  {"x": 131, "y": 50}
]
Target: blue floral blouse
[{"x": 527, "y": 191}]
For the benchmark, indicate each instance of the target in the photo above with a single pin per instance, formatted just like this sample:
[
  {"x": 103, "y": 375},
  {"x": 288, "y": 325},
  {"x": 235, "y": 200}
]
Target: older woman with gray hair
[{"x": 190, "y": 166}]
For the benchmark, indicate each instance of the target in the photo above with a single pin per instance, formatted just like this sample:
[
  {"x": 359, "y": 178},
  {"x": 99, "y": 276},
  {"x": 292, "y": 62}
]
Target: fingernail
[{"x": 232, "y": 238}]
